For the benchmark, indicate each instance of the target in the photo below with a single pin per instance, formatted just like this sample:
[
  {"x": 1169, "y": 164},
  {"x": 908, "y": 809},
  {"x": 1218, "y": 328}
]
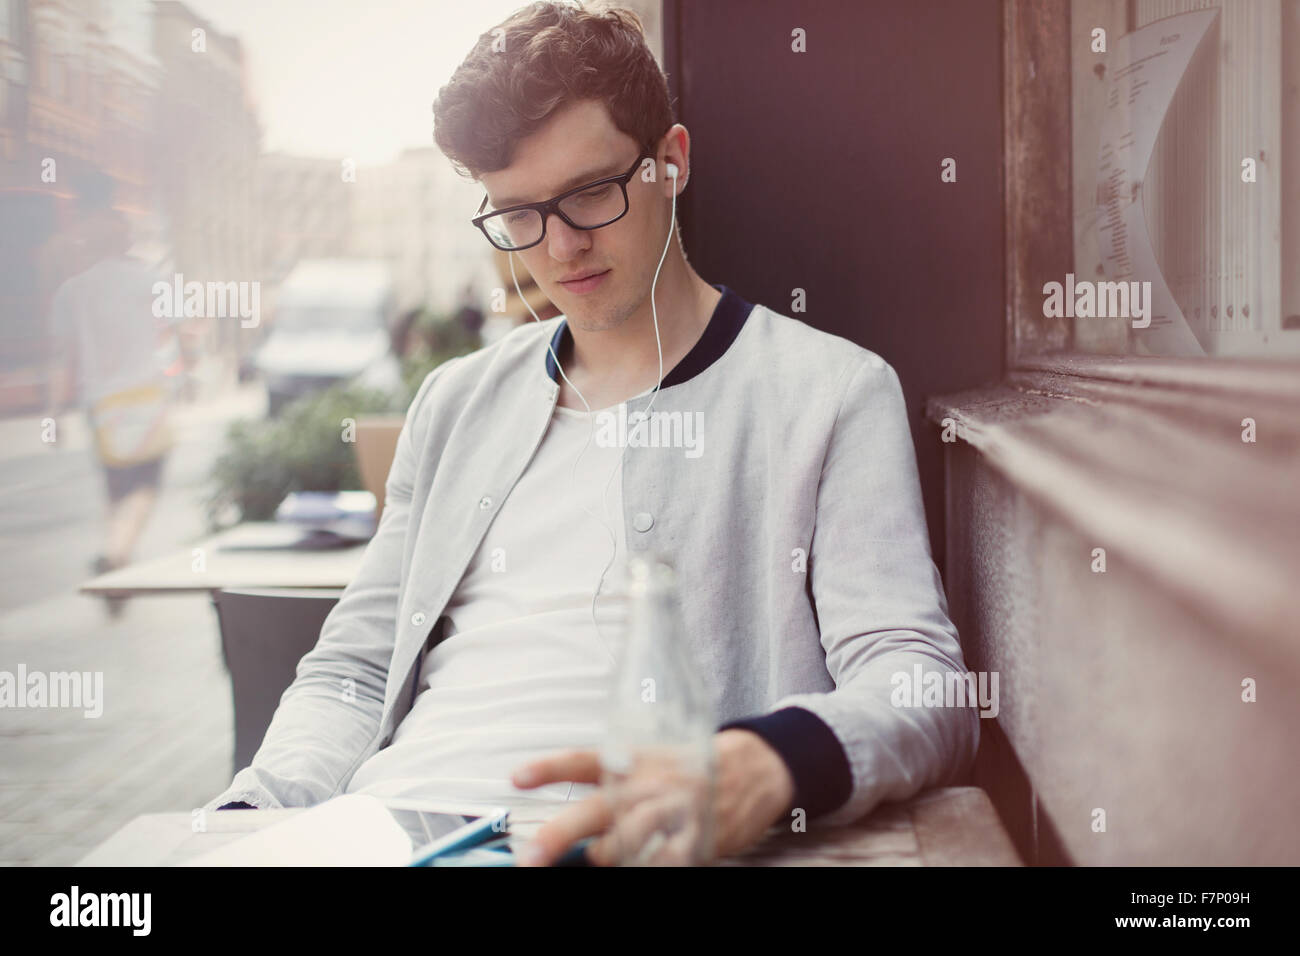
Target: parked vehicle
[{"x": 331, "y": 324}]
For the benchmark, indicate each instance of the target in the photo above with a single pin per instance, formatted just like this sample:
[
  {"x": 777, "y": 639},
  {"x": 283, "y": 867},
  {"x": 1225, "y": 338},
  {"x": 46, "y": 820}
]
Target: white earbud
[{"x": 671, "y": 169}]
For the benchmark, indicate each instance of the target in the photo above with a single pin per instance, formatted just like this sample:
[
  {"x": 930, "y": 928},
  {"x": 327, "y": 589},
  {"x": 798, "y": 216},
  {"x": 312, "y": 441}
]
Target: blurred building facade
[
  {"x": 78, "y": 87},
  {"x": 152, "y": 95},
  {"x": 207, "y": 161},
  {"x": 303, "y": 212},
  {"x": 415, "y": 213}
]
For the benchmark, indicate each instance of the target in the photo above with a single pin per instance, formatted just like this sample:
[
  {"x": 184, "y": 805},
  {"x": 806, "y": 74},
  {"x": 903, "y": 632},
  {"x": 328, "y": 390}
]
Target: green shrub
[{"x": 303, "y": 449}]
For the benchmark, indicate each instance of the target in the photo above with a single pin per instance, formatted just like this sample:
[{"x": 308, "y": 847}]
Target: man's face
[{"x": 578, "y": 145}]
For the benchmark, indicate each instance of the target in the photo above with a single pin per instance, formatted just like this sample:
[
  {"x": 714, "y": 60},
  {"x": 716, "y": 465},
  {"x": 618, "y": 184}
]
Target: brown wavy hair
[{"x": 554, "y": 54}]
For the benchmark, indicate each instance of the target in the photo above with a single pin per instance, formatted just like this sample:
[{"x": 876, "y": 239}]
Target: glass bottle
[{"x": 657, "y": 758}]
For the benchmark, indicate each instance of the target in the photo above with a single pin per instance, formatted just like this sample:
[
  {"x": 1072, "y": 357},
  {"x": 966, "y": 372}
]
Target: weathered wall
[
  {"x": 1114, "y": 695},
  {"x": 821, "y": 171}
]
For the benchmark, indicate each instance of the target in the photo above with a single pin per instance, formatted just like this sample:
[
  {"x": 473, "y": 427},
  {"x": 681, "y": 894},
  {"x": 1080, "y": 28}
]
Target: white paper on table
[{"x": 350, "y": 830}]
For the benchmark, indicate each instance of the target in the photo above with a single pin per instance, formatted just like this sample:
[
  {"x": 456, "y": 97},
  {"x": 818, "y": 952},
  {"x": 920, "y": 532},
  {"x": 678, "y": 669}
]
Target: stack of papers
[{"x": 351, "y": 830}]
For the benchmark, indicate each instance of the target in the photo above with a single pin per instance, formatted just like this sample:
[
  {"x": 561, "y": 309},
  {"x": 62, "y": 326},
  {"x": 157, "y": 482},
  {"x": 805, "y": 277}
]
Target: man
[
  {"x": 468, "y": 642},
  {"x": 102, "y": 320}
]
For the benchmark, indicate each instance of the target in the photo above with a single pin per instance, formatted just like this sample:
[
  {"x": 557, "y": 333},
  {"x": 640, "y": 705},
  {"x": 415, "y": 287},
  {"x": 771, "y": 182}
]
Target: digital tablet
[{"x": 437, "y": 830}]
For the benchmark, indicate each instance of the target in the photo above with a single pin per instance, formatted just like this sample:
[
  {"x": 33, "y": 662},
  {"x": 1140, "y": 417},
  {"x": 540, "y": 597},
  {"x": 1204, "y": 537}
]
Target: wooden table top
[
  {"x": 946, "y": 826},
  {"x": 245, "y": 556},
  {"x": 950, "y": 826}
]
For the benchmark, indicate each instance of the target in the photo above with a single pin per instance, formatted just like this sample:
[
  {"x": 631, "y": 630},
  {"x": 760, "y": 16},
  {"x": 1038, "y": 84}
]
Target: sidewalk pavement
[
  {"x": 25, "y": 435},
  {"x": 165, "y": 739}
]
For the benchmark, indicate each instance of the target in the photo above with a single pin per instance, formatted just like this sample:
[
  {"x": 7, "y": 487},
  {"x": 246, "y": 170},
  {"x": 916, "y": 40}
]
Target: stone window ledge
[{"x": 1145, "y": 458}]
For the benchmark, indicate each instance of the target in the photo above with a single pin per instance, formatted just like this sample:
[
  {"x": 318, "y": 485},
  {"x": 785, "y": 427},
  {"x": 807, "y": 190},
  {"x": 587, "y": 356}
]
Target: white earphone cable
[{"x": 654, "y": 311}]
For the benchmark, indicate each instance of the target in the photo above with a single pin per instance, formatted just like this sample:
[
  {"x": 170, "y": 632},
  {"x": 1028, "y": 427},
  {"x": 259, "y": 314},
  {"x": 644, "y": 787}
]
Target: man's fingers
[
  {"x": 572, "y": 766},
  {"x": 555, "y": 836},
  {"x": 652, "y": 826},
  {"x": 633, "y": 827}
]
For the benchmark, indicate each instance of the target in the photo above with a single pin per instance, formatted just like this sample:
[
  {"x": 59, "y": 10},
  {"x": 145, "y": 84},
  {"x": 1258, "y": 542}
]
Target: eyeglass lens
[{"x": 588, "y": 209}]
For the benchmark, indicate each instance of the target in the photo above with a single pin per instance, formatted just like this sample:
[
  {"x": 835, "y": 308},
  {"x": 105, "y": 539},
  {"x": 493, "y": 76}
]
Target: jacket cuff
[{"x": 823, "y": 778}]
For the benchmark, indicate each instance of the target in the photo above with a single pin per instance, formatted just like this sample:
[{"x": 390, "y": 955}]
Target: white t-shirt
[
  {"x": 522, "y": 671},
  {"x": 108, "y": 311}
]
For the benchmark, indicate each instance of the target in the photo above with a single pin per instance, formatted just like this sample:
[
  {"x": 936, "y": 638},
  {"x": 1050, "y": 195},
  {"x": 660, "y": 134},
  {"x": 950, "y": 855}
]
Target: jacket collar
[{"x": 724, "y": 325}]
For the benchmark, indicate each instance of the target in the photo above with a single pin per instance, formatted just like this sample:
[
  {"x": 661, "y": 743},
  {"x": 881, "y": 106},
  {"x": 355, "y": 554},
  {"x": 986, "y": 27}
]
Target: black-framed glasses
[{"x": 592, "y": 206}]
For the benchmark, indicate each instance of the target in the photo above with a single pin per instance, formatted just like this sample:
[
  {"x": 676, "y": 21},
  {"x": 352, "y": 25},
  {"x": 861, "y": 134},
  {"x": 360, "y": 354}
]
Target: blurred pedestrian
[{"x": 103, "y": 319}]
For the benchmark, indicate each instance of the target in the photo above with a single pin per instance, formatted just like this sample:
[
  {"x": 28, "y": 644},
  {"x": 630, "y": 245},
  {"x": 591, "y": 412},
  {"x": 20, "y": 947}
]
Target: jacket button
[
  {"x": 643, "y": 521},
  {"x": 418, "y": 618},
  {"x": 484, "y": 503}
]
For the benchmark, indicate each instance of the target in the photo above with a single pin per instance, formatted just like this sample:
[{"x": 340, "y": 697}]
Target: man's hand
[{"x": 753, "y": 790}]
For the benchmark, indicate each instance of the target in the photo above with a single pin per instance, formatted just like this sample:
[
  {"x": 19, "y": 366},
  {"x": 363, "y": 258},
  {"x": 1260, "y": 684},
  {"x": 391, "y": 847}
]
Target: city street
[{"x": 163, "y": 742}]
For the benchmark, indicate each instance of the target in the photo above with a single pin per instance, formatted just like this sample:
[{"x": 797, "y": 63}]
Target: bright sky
[{"x": 351, "y": 78}]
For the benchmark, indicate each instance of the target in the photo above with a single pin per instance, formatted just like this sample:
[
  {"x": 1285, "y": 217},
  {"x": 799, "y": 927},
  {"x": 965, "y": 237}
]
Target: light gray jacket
[{"x": 798, "y": 534}]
